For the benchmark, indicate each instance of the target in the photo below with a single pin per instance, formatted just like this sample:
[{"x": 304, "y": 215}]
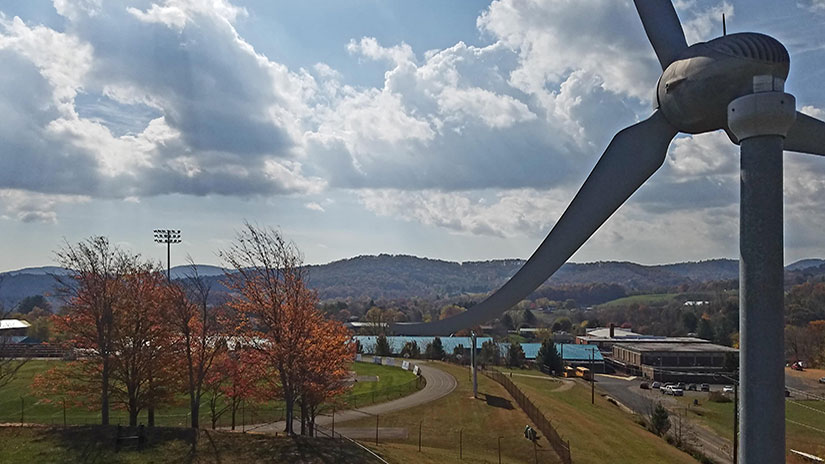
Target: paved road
[
  {"x": 627, "y": 392},
  {"x": 439, "y": 384}
]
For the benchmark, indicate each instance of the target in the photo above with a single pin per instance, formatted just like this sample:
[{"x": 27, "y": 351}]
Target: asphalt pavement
[{"x": 439, "y": 384}]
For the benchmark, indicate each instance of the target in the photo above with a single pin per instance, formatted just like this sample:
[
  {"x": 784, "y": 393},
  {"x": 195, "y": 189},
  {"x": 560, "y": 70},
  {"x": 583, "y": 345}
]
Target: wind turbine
[{"x": 734, "y": 83}]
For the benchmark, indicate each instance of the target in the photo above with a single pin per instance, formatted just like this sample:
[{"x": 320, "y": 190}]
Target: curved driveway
[{"x": 439, "y": 384}]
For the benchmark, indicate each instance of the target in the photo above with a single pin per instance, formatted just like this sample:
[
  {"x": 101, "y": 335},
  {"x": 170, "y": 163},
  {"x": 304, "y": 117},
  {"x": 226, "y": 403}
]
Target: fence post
[
  {"x": 419, "y": 436},
  {"x": 333, "y": 420},
  {"x": 376, "y": 429},
  {"x": 536, "y": 450},
  {"x": 460, "y": 444},
  {"x": 499, "y": 450},
  {"x": 22, "y": 408}
]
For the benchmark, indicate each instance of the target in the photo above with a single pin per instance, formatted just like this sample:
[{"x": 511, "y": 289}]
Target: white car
[
  {"x": 727, "y": 389},
  {"x": 675, "y": 391}
]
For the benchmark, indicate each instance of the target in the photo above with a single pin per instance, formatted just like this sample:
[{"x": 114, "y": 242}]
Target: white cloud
[
  {"x": 704, "y": 154},
  {"x": 314, "y": 206},
  {"x": 510, "y": 213},
  {"x": 703, "y": 24},
  {"x": 34, "y": 207}
]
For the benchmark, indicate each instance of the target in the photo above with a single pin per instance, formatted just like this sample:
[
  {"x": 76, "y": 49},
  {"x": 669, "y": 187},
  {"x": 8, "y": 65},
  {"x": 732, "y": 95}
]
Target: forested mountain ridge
[{"x": 404, "y": 276}]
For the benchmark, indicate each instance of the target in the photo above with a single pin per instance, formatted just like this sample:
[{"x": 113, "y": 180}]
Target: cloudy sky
[{"x": 449, "y": 129}]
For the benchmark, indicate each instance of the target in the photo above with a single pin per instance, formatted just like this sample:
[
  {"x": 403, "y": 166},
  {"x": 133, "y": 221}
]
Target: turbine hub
[{"x": 695, "y": 90}]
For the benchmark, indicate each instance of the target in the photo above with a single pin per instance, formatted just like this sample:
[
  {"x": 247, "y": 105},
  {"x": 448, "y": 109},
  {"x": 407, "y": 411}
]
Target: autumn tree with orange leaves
[
  {"x": 114, "y": 305},
  {"x": 143, "y": 368},
  {"x": 280, "y": 319},
  {"x": 91, "y": 292},
  {"x": 200, "y": 329}
]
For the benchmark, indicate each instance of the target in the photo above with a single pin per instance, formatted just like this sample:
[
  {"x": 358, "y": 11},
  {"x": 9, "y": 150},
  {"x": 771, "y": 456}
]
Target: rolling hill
[{"x": 402, "y": 276}]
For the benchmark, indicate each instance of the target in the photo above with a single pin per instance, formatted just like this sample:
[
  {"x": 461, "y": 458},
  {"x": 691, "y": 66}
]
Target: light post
[{"x": 167, "y": 236}]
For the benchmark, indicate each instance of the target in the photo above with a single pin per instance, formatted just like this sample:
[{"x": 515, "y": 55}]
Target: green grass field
[
  {"x": 804, "y": 422},
  {"x": 599, "y": 432},
  {"x": 393, "y": 382},
  {"x": 655, "y": 299},
  {"x": 95, "y": 444},
  {"x": 459, "y": 419}
]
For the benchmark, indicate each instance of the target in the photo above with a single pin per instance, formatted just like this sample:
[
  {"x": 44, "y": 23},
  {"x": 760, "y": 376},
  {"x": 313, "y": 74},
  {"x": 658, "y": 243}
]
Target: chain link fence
[{"x": 561, "y": 447}]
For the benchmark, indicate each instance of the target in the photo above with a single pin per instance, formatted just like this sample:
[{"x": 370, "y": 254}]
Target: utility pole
[
  {"x": 473, "y": 364},
  {"x": 592, "y": 378}
]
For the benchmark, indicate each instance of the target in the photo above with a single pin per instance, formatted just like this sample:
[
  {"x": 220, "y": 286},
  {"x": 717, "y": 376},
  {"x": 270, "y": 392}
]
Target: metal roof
[
  {"x": 9, "y": 324},
  {"x": 569, "y": 352},
  {"x": 398, "y": 342},
  {"x": 676, "y": 347}
]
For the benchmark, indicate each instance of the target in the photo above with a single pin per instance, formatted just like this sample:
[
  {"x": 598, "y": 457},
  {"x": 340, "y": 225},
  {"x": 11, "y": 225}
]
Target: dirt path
[{"x": 439, "y": 384}]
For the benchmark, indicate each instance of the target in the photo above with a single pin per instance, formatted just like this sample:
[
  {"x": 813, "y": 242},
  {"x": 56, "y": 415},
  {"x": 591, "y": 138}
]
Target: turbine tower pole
[{"x": 761, "y": 121}]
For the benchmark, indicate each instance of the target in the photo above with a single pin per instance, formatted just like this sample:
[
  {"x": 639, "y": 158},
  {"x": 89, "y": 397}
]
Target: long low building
[
  {"x": 397, "y": 342},
  {"x": 672, "y": 361},
  {"x": 606, "y": 337},
  {"x": 571, "y": 354}
]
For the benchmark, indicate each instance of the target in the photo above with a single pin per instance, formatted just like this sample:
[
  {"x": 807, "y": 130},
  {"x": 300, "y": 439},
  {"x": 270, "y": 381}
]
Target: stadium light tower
[{"x": 167, "y": 236}]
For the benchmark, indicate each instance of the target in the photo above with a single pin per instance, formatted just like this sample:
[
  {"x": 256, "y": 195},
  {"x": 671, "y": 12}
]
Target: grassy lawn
[
  {"x": 87, "y": 444},
  {"x": 478, "y": 423},
  {"x": 804, "y": 426},
  {"x": 393, "y": 382},
  {"x": 650, "y": 300},
  {"x": 599, "y": 432}
]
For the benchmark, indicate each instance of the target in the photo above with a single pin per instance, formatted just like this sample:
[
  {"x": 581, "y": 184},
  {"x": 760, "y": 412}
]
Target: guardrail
[{"x": 560, "y": 446}]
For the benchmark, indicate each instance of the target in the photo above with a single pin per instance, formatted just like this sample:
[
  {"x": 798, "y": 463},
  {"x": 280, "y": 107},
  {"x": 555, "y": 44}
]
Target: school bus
[
  {"x": 569, "y": 371},
  {"x": 583, "y": 372}
]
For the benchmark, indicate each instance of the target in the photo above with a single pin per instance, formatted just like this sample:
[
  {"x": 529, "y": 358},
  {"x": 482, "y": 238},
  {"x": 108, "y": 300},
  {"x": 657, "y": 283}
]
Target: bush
[{"x": 660, "y": 420}]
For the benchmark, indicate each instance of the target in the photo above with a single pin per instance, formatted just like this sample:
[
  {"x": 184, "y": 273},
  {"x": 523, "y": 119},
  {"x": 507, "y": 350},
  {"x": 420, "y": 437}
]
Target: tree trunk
[
  {"x": 303, "y": 418},
  {"x": 289, "y": 405},
  {"x": 104, "y": 393},
  {"x": 195, "y": 406}
]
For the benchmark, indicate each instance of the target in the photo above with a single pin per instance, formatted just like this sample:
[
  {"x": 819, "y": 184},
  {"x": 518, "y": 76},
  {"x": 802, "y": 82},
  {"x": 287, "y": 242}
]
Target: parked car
[
  {"x": 655, "y": 385},
  {"x": 822, "y": 380},
  {"x": 681, "y": 385},
  {"x": 664, "y": 387},
  {"x": 692, "y": 387},
  {"x": 727, "y": 389},
  {"x": 644, "y": 386},
  {"x": 675, "y": 391},
  {"x": 705, "y": 387}
]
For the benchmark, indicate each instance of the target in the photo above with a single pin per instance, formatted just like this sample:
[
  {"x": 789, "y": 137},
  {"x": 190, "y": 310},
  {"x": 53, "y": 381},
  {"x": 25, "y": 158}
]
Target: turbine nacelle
[{"x": 695, "y": 89}]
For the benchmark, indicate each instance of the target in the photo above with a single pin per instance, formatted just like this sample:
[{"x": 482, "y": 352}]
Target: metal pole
[
  {"x": 333, "y": 421},
  {"x": 419, "y": 436},
  {"x": 376, "y": 429},
  {"x": 761, "y": 301},
  {"x": 64, "y": 412},
  {"x": 499, "y": 450},
  {"x": 460, "y": 444},
  {"x": 22, "y": 408},
  {"x": 473, "y": 363},
  {"x": 536, "y": 451},
  {"x": 168, "y": 256},
  {"x": 592, "y": 384},
  {"x": 735, "y": 422},
  {"x": 760, "y": 121}
]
